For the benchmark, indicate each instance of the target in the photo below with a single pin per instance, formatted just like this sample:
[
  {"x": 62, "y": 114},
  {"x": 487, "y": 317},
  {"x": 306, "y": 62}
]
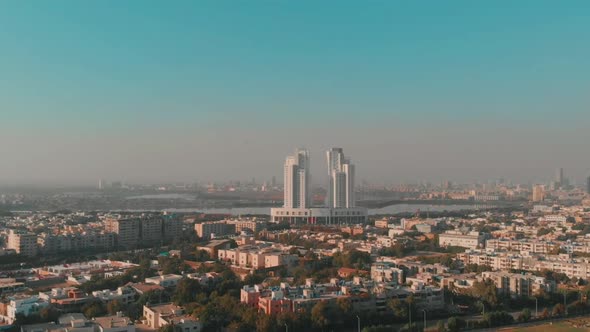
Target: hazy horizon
[{"x": 152, "y": 92}]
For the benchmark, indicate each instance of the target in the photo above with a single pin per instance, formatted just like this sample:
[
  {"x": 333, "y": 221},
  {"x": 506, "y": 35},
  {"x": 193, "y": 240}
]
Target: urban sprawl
[{"x": 320, "y": 262}]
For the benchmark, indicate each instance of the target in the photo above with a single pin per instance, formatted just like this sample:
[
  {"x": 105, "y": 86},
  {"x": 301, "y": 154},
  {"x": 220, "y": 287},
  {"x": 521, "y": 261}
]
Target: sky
[{"x": 158, "y": 91}]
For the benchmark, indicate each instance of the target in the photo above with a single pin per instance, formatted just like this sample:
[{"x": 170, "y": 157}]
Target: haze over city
[{"x": 217, "y": 90}]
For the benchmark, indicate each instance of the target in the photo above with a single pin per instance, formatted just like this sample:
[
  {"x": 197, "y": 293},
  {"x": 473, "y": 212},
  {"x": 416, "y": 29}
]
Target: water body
[
  {"x": 392, "y": 209},
  {"x": 164, "y": 196}
]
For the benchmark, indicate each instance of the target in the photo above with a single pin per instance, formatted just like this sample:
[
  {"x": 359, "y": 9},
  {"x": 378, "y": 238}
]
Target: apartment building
[
  {"x": 386, "y": 272},
  {"x": 51, "y": 244},
  {"x": 145, "y": 230},
  {"x": 211, "y": 229},
  {"x": 519, "y": 285},
  {"x": 157, "y": 316},
  {"x": 470, "y": 240},
  {"x": 24, "y": 243},
  {"x": 247, "y": 225},
  {"x": 127, "y": 230},
  {"x": 541, "y": 247}
]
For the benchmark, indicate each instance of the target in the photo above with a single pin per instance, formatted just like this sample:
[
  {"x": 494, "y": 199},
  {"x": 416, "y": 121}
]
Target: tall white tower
[
  {"x": 297, "y": 193},
  {"x": 341, "y": 180}
]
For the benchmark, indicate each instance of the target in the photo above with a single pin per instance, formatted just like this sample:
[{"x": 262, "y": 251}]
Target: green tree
[
  {"x": 399, "y": 308},
  {"x": 454, "y": 324},
  {"x": 114, "y": 306},
  {"x": 525, "y": 315},
  {"x": 49, "y": 314},
  {"x": 319, "y": 315},
  {"x": 186, "y": 291},
  {"x": 95, "y": 309}
]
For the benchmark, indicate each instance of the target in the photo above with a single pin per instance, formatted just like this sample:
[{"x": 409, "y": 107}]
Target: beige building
[
  {"x": 244, "y": 225},
  {"x": 23, "y": 243},
  {"x": 127, "y": 231},
  {"x": 516, "y": 284},
  {"x": 383, "y": 223},
  {"x": 160, "y": 315},
  {"x": 538, "y": 193}
]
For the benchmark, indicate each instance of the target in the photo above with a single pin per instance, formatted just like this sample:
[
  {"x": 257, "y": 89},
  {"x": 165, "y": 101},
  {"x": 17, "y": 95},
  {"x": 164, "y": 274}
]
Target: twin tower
[
  {"x": 340, "y": 201},
  {"x": 297, "y": 191}
]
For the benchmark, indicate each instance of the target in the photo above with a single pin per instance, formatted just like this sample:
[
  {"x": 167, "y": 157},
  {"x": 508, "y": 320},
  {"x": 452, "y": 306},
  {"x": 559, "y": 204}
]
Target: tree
[
  {"x": 455, "y": 324},
  {"x": 558, "y": 309},
  {"x": 525, "y": 315},
  {"x": 49, "y": 314},
  {"x": 440, "y": 326},
  {"x": 186, "y": 291},
  {"x": 545, "y": 314},
  {"x": 253, "y": 279},
  {"x": 344, "y": 305},
  {"x": 399, "y": 308},
  {"x": 114, "y": 306},
  {"x": 166, "y": 328},
  {"x": 319, "y": 314},
  {"x": 94, "y": 309}
]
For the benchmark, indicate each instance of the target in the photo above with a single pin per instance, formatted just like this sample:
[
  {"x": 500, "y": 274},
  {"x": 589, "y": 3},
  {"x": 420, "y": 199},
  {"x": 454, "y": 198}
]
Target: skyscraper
[
  {"x": 297, "y": 191},
  {"x": 341, "y": 180},
  {"x": 559, "y": 178},
  {"x": 588, "y": 185}
]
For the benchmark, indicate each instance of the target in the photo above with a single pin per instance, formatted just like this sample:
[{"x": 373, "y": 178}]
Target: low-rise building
[
  {"x": 160, "y": 315},
  {"x": 469, "y": 240}
]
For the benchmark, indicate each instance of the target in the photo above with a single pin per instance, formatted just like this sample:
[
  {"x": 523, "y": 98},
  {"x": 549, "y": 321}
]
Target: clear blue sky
[{"x": 136, "y": 82}]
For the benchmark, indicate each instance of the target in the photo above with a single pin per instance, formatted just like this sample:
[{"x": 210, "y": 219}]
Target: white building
[
  {"x": 297, "y": 194},
  {"x": 167, "y": 280},
  {"x": 470, "y": 240},
  {"x": 23, "y": 305},
  {"x": 341, "y": 183},
  {"x": 297, "y": 191}
]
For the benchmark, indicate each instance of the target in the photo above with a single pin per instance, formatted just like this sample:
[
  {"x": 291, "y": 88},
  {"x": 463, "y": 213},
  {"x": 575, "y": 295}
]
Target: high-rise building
[
  {"x": 538, "y": 193},
  {"x": 341, "y": 201},
  {"x": 24, "y": 243},
  {"x": 297, "y": 191},
  {"x": 559, "y": 178},
  {"x": 127, "y": 230},
  {"x": 341, "y": 180},
  {"x": 588, "y": 185}
]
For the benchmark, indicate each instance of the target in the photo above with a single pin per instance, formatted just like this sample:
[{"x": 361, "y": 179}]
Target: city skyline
[{"x": 463, "y": 91}]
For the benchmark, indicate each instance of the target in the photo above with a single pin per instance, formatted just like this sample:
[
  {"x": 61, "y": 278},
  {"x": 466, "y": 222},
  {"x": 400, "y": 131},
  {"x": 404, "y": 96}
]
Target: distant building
[
  {"x": 297, "y": 193},
  {"x": 538, "y": 193},
  {"x": 519, "y": 285},
  {"x": 211, "y": 229},
  {"x": 470, "y": 240},
  {"x": 160, "y": 315},
  {"x": 23, "y": 243},
  {"x": 559, "y": 179},
  {"x": 145, "y": 230},
  {"x": 383, "y": 223},
  {"x": 127, "y": 231},
  {"x": 385, "y": 272},
  {"x": 341, "y": 184},
  {"x": 588, "y": 185},
  {"x": 167, "y": 280}
]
